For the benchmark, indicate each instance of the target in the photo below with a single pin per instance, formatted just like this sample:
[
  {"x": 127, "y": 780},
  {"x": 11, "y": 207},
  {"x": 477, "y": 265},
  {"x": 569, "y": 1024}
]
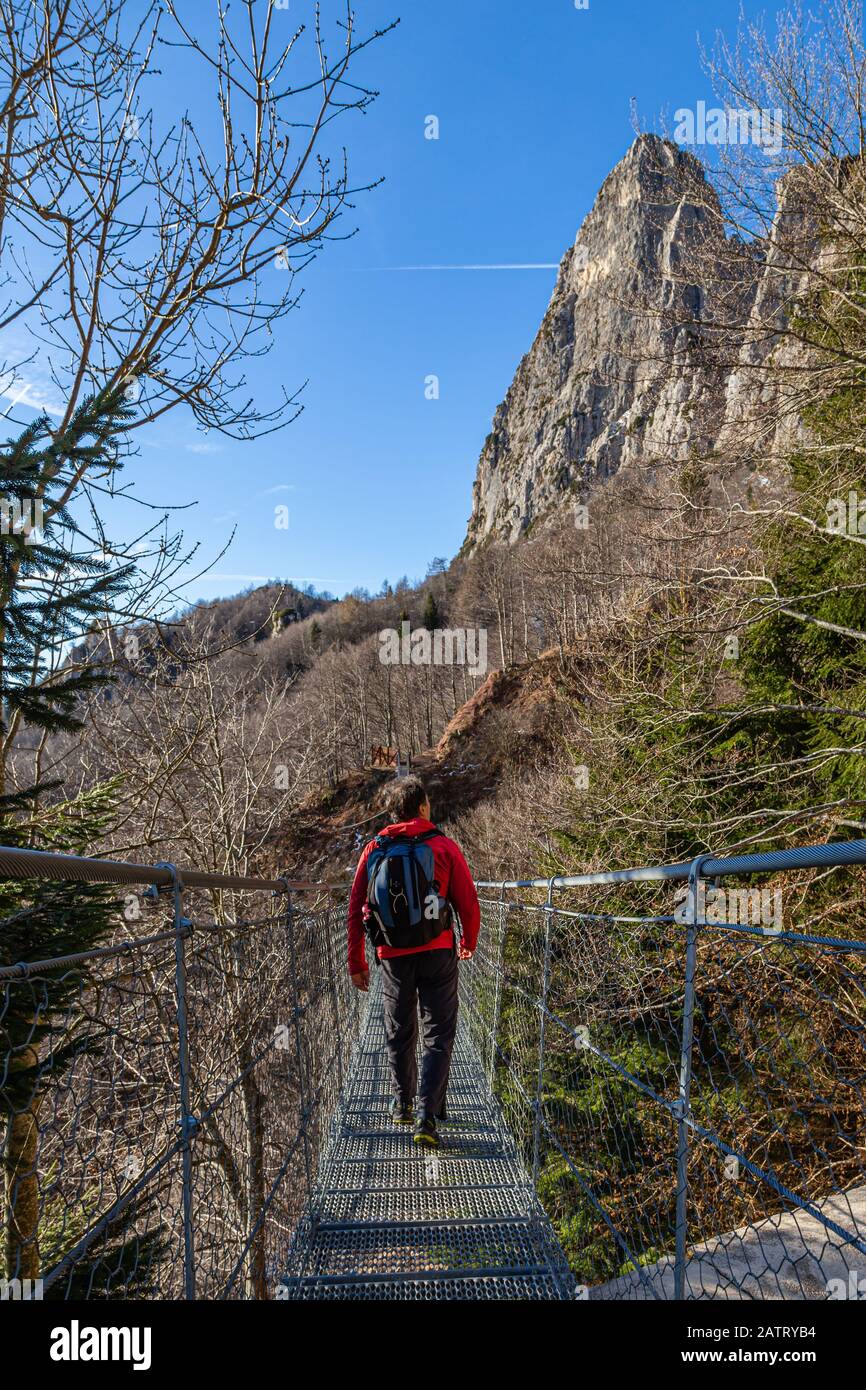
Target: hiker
[{"x": 408, "y": 883}]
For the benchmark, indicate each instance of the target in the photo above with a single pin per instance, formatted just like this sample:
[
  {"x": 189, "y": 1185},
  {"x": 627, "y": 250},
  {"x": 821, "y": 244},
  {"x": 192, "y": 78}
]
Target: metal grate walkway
[{"x": 388, "y": 1221}]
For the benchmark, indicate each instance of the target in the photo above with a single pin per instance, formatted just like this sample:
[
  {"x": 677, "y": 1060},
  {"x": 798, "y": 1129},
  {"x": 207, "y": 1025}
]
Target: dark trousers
[{"x": 425, "y": 981}]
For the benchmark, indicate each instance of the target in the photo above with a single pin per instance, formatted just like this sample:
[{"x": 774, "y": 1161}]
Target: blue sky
[{"x": 533, "y": 102}]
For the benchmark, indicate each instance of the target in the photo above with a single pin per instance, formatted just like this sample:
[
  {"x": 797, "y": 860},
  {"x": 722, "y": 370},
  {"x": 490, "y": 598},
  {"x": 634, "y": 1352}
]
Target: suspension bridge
[{"x": 657, "y": 1092}]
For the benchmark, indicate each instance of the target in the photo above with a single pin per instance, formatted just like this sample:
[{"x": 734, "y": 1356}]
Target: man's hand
[
  {"x": 361, "y": 981},
  {"x": 466, "y": 955}
]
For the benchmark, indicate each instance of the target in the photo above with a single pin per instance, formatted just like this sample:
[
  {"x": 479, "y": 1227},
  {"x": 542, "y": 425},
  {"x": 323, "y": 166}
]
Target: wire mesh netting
[
  {"x": 694, "y": 1129},
  {"x": 165, "y": 1095}
]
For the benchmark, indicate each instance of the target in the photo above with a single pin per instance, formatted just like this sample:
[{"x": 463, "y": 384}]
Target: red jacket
[{"x": 455, "y": 883}]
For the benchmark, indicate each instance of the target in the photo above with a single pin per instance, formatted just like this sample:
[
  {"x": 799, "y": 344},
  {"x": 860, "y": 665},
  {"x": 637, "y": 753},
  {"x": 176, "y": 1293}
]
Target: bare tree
[
  {"x": 155, "y": 258},
  {"x": 206, "y": 775},
  {"x": 163, "y": 255}
]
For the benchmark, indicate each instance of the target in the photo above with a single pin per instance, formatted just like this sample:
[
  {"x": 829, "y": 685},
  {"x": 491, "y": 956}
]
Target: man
[{"x": 421, "y": 975}]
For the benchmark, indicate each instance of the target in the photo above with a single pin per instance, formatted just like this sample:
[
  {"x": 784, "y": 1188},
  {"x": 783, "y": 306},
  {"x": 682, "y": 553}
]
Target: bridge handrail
[
  {"x": 834, "y": 855},
  {"x": 44, "y": 864}
]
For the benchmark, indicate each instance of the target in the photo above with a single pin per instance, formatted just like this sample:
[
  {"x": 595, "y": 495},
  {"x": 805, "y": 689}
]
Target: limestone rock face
[{"x": 621, "y": 375}]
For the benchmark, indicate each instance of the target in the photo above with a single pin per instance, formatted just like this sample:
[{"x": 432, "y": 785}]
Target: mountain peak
[{"x": 612, "y": 378}]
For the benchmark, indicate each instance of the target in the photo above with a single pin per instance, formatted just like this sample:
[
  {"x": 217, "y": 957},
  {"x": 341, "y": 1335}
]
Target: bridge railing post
[
  {"x": 300, "y": 1059},
  {"x": 542, "y": 1034},
  {"x": 188, "y": 1121},
  {"x": 498, "y": 971},
  {"x": 693, "y": 914},
  {"x": 330, "y": 966}
]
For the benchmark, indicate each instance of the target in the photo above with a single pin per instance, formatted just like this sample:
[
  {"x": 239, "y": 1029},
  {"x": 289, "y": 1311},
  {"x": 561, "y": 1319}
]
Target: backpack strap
[
  {"x": 382, "y": 841},
  {"x": 430, "y": 835}
]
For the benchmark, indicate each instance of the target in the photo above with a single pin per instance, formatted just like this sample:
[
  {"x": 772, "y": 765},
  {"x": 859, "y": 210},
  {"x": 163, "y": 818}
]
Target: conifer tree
[
  {"x": 54, "y": 587},
  {"x": 430, "y": 619}
]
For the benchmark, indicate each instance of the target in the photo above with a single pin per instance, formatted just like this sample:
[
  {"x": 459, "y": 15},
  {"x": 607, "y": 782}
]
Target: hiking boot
[
  {"x": 425, "y": 1132},
  {"x": 401, "y": 1113}
]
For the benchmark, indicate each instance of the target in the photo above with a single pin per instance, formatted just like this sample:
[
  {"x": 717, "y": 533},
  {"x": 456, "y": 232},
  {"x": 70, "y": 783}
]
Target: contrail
[{"x": 527, "y": 265}]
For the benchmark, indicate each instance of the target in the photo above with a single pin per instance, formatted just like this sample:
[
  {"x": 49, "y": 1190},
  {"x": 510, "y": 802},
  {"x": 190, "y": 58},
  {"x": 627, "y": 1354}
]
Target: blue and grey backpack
[{"x": 402, "y": 892}]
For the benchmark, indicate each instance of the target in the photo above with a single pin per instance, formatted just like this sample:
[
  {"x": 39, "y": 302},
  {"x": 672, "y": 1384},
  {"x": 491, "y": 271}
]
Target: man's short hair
[{"x": 404, "y": 798}]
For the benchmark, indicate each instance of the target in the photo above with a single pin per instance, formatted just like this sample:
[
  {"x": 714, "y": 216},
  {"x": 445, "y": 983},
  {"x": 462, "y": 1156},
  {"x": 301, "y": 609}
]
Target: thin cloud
[
  {"x": 24, "y": 393},
  {"x": 204, "y": 448},
  {"x": 26, "y": 376}
]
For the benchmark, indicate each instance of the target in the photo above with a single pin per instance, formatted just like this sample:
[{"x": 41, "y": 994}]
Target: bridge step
[
  {"x": 424, "y": 1171},
  {"x": 322, "y": 1227},
  {"x": 532, "y": 1285},
  {"x": 365, "y": 1251},
  {"x": 373, "y": 1144},
  {"x": 411, "y": 1205}
]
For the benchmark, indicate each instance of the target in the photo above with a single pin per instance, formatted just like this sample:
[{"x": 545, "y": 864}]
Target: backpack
[{"x": 402, "y": 892}]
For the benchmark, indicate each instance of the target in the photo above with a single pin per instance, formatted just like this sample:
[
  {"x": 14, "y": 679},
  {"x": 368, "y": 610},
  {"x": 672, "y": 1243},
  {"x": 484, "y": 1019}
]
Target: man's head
[{"x": 406, "y": 798}]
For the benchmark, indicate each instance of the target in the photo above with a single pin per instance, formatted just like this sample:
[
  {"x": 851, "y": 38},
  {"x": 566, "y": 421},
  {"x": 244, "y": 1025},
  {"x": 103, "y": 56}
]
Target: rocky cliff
[{"x": 634, "y": 366}]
